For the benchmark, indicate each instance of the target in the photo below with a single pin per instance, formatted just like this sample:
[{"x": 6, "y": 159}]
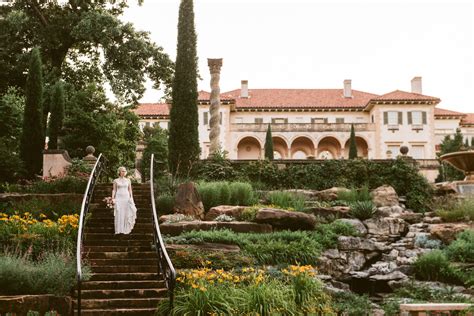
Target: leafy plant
[
  {"x": 362, "y": 210},
  {"x": 224, "y": 218},
  {"x": 351, "y": 304},
  {"x": 355, "y": 195},
  {"x": 224, "y": 193},
  {"x": 425, "y": 242},
  {"x": 435, "y": 266},
  {"x": 287, "y": 200},
  {"x": 462, "y": 249},
  {"x": 456, "y": 210},
  {"x": 165, "y": 204}
]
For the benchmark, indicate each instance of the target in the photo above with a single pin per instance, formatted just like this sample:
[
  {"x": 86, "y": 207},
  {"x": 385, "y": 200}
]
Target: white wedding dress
[{"x": 125, "y": 211}]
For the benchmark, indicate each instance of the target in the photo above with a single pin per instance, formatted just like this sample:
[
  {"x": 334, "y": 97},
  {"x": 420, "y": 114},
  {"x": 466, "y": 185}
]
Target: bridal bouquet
[{"x": 109, "y": 202}]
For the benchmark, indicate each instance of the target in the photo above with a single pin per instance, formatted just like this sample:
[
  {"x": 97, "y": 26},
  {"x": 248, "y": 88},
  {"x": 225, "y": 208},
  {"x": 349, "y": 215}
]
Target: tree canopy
[{"x": 81, "y": 42}]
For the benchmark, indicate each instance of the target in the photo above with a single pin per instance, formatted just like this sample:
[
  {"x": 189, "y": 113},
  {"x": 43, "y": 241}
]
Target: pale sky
[{"x": 380, "y": 45}]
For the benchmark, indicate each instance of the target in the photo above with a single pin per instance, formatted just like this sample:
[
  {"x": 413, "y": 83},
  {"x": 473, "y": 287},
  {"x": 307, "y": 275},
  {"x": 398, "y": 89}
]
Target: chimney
[
  {"x": 416, "y": 85},
  {"x": 348, "y": 88},
  {"x": 244, "y": 89}
]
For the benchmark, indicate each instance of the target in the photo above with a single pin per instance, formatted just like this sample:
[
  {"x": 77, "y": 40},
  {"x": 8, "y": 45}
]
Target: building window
[
  {"x": 373, "y": 121},
  {"x": 339, "y": 120},
  {"x": 279, "y": 120},
  {"x": 205, "y": 118},
  {"x": 316, "y": 120},
  {"x": 418, "y": 151},
  {"x": 258, "y": 120},
  {"x": 393, "y": 119},
  {"x": 417, "y": 118}
]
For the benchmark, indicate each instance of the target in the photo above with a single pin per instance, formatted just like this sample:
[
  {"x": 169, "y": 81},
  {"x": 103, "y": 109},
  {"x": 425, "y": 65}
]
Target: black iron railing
[
  {"x": 98, "y": 167},
  {"x": 165, "y": 267}
]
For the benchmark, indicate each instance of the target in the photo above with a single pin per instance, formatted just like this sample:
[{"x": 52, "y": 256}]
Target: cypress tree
[
  {"x": 353, "y": 146},
  {"x": 57, "y": 115},
  {"x": 269, "y": 144},
  {"x": 466, "y": 144},
  {"x": 32, "y": 138},
  {"x": 472, "y": 143},
  {"x": 183, "y": 142}
]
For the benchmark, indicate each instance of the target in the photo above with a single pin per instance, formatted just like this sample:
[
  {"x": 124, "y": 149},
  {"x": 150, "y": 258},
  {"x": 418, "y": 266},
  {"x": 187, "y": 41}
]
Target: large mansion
[{"x": 316, "y": 123}]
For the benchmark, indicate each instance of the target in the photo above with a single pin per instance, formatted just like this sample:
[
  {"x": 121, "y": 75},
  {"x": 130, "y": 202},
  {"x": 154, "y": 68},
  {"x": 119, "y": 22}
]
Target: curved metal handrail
[
  {"x": 84, "y": 210},
  {"x": 165, "y": 265}
]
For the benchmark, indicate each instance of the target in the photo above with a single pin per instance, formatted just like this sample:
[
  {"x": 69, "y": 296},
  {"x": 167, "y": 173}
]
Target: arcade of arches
[{"x": 301, "y": 147}]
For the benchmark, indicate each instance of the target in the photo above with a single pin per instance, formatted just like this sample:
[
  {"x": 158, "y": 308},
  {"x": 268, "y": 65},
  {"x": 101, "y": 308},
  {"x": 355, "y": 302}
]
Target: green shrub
[
  {"x": 224, "y": 193},
  {"x": 435, "y": 266},
  {"x": 362, "y": 210},
  {"x": 456, "y": 211},
  {"x": 164, "y": 204},
  {"x": 267, "y": 298},
  {"x": 355, "y": 195},
  {"x": 249, "y": 213},
  {"x": 351, "y": 304},
  {"x": 191, "y": 258},
  {"x": 54, "y": 274},
  {"x": 287, "y": 200},
  {"x": 66, "y": 184},
  {"x": 462, "y": 249},
  {"x": 327, "y": 234}
]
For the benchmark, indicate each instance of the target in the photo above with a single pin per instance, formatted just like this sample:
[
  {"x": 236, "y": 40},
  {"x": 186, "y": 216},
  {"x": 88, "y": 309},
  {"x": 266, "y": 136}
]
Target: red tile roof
[
  {"x": 205, "y": 96},
  {"x": 300, "y": 98},
  {"x": 408, "y": 96},
  {"x": 444, "y": 112},
  {"x": 468, "y": 119},
  {"x": 152, "y": 109}
]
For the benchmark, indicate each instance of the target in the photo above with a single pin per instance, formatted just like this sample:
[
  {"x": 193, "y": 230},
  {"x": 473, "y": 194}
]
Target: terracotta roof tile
[
  {"x": 205, "y": 96},
  {"x": 300, "y": 98},
  {"x": 152, "y": 109},
  {"x": 444, "y": 112},
  {"x": 468, "y": 119},
  {"x": 403, "y": 95}
]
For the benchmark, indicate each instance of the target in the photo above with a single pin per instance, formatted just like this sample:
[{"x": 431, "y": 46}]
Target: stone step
[
  {"x": 109, "y": 236},
  {"x": 116, "y": 249},
  {"x": 118, "y": 243},
  {"x": 127, "y": 276},
  {"x": 98, "y": 224},
  {"x": 123, "y": 293},
  {"x": 105, "y": 285},
  {"x": 109, "y": 221},
  {"x": 121, "y": 255},
  {"x": 118, "y": 311},
  {"x": 121, "y": 302},
  {"x": 122, "y": 262},
  {"x": 125, "y": 269},
  {"x": 111, "y": 230}
]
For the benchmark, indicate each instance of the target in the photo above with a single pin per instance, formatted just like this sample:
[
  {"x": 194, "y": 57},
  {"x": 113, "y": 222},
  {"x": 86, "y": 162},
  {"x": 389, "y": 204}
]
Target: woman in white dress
[{"x": 125, "y": 211}]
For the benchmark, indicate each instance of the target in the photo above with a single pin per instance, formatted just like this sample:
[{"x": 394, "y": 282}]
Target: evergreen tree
[
  {"x": 156, "y": 140},
  {"x": 353, "y": 146},
  {"x": 466, "y": 143},
  {"x": 32, "y": 139},
  {"x": 472, "y": 143},
  {"x": 269, "y": 144},
  {"x": 183, "y": 142},
  {"x": 57, "y": 115}
]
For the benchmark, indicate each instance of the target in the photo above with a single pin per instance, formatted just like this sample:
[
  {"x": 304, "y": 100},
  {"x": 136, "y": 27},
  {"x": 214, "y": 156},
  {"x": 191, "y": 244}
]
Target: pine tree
[
  {"x": 183, "y": 140},
  {"x": 353, "y": 146},
  {"x": 32, "y": 139},
  {"x": 57, "y": 115},
  {"x": 269, "y": 144},
  {"x": 466, "y": 143}
]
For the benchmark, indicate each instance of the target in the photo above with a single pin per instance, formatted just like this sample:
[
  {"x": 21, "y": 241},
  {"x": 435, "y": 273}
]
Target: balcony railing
[{"x": 302, "y": 127}]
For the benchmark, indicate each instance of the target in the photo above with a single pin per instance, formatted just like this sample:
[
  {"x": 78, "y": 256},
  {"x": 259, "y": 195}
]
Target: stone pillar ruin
[{"x": 215, "y": 101}]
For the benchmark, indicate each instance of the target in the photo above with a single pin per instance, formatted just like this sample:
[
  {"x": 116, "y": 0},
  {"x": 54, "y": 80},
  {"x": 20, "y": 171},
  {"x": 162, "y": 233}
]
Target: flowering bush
[
  {"x": 249, "y": 291},
  {"x": 26, "y": 233}
]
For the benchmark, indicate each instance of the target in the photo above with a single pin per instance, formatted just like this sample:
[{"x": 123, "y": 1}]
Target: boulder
[
  {"x": 357, "y": 224},
  {"x": 447, "y": 232},
  {"x": 330, "y": 194},
  {"x": 216, "y": 247},
  {"x": 384, "y": 196},
  {"x": 385, "y": 226},
  {"x": 410, "y": 217},
  {"x": 174, "y": 229},
  {"x": 334, "y": 211},
  {"x": 348, "y": 243},
  {"x": 188, "y": 201},
  {"x": 286, "y": 219},
  {"x": 229, "y": 210},
  {"x": 174, "y": 218},
  {"x": 395, "y": 275}
]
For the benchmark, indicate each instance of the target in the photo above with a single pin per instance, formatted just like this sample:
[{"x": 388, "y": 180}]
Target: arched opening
[
  {"x": 302, "y": 148},
  {"x": 280, "y": 148},
  {"x": 362, "y": 148},
  {"x": 329, "y": 148},
  {"x": 249, "y": 148}
]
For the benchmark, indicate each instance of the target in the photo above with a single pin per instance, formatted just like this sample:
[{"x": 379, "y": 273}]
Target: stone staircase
[{"x": 124, "y": 267}]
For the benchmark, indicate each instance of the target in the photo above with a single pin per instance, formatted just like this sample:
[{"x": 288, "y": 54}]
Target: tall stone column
[{"x": 215, "y": 69}]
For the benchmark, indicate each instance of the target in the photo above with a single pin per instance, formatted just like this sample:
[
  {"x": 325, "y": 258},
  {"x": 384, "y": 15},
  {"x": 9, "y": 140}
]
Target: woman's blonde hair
[{"x": 120, "y": 169}]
